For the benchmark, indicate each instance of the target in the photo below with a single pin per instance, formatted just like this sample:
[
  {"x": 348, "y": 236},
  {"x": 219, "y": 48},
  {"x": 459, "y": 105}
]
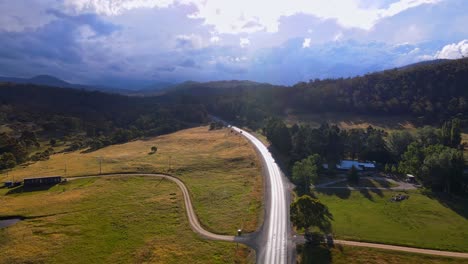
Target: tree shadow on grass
[
  {"x": 317, "y": 254},
  {"x": 370, "y": 188},
  {"x": 458, "y": 204},
  {"x": 342, "y": 193},
  {"x": 23, "y": 189}
]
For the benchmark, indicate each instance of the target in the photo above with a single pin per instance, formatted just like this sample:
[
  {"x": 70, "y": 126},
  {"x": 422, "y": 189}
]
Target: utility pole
[
  {"x": 100, "y": 165},
  {"x": 170, "y": 162},
  {"x": 65, "y": 168}
]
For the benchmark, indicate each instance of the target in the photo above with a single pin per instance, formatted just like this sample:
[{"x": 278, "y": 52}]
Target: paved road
[
  {"x": 194, "y": 222},
  {"x": 273, "y": 240}
]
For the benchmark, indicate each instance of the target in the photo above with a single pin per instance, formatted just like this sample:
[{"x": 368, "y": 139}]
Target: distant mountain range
[
  {"x": 48, "y": 80},
  {"x": 157, "y": 88}
]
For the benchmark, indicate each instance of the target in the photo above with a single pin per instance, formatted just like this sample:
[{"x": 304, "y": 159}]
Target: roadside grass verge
[
  {"x": 420, "y": 221},
  {"x": 350, "y": 255},
  {"x": 107, "y": 220},
  {"x": 220, "y": 169}
]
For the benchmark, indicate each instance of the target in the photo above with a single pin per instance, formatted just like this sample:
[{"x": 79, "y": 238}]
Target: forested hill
[
  {"x": 91, "y": 119},
  {"x": 430, "y": 92}
]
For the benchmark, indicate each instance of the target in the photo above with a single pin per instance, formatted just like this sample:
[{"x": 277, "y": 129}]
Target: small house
[
  {"x": 34, "y": 182},
  {"x": 348, "y": 164}
]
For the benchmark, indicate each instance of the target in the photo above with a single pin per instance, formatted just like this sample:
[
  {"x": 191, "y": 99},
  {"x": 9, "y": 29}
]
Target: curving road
[
  {"x": 192, "y": 217},
  {"x": 273, "y": 242}
]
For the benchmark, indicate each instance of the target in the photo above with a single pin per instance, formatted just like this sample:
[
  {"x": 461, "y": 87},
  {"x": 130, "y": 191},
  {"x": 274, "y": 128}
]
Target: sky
[{"x": 134, "y": 43}]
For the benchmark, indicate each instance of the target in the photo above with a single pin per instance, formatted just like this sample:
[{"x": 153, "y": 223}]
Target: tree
[
  {"x": 397, "y": 142},
  {"x": 428, "y": 136},
  {"x": 154, "y": 149},
  {"x": 354, "y": 142},
  {"x": 278, "y": 134},
  {"x": 388, "y": 168},
  {"x": 306, "y": 212},
  {"x": 7, "y": 161},
  {"x": 412, "y": 159},
  {"x": 353, "y": 175},
  {"x": 442, "y": 168},
  {"x": 29, "y": 138},
  {"x": 305, "y": 172},
  {"x": 374, "y": 146}
]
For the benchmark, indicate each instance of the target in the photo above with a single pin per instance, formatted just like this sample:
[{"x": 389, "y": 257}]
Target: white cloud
[
  {"x": 338, "y": 37},
  {"x": 246, "y": 16},
  {"x": 244, "y": 42},
  {"x": 306, "y": 43},
  {"x": 454, "y": 51},
  {"x": 215, "y": 39},
  {"x": 115, "y": 7},
  {"x": 189, "y": 41}
]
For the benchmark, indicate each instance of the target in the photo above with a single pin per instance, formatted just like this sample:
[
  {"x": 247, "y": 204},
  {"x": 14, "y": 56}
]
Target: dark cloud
[
  {"x": 188, "y": 63},
  {"x": 165, "y": 68},
  {"x": 50, "y": 47}
]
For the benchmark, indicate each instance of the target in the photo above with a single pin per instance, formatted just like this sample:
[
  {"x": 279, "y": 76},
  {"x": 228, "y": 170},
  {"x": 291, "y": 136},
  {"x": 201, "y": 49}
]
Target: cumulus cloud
[
  {"x": 248, "y": 16},
  {"x": 215, "y": 39},
  {"x": 244, "y": 42},
  {"x": 454, "y": 51}
]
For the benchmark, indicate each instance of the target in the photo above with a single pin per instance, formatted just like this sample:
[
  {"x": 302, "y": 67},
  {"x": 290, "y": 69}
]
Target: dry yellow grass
[
  {"x": 107, "y": 220},
  {"x": 349, "y": 121},
  {"x": 220, "y": 169}
]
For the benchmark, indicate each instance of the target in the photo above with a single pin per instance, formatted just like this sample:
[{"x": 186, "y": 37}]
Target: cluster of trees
[
  {"x": 308, "y": 148},
  {"x": 92, "y": 119},
  {"x": 328, "y": 141},
  {"x": 434, "y": 155},
  {"x": 216, "y": 125},
  {"x": 14, "y": 150}
]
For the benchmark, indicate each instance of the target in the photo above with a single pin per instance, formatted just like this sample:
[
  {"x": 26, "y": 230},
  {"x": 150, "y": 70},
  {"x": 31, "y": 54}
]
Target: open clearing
[
  {"x": 420, "y": 221},
  {"x": 107, "y": 220},
  {"x": 351, "y": 255},
  {"x": 220, "y": 169}
]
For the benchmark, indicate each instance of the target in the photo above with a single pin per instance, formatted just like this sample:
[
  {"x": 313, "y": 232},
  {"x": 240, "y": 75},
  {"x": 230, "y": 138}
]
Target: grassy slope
[
  {"x": 351, "y": 255},
  {"x": 122, "y": 220},
  {"x": 220, "y": 169},
  {"x": 418, "y": 222}
]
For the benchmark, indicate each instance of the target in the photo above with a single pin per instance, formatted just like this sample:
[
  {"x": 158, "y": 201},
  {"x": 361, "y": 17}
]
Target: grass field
[
  {"x": 350, "y": 120},
  {"x": 107, "y": 220},
  {"x": 351, "y": 255},
  {"x": 220, "y": 169},
  {"x": 419, "y": 221}
]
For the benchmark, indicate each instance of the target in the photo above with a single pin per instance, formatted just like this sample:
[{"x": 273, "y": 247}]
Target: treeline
[
  {"x": 428, "y": 93},
  {"x": 92, "y": 119},
  {"x": 433, "y": 155}
]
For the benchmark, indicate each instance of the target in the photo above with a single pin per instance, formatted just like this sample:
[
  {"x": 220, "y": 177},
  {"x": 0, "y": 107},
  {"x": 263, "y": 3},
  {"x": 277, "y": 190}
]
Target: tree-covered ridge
[{"x": 84, "y": 119}]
